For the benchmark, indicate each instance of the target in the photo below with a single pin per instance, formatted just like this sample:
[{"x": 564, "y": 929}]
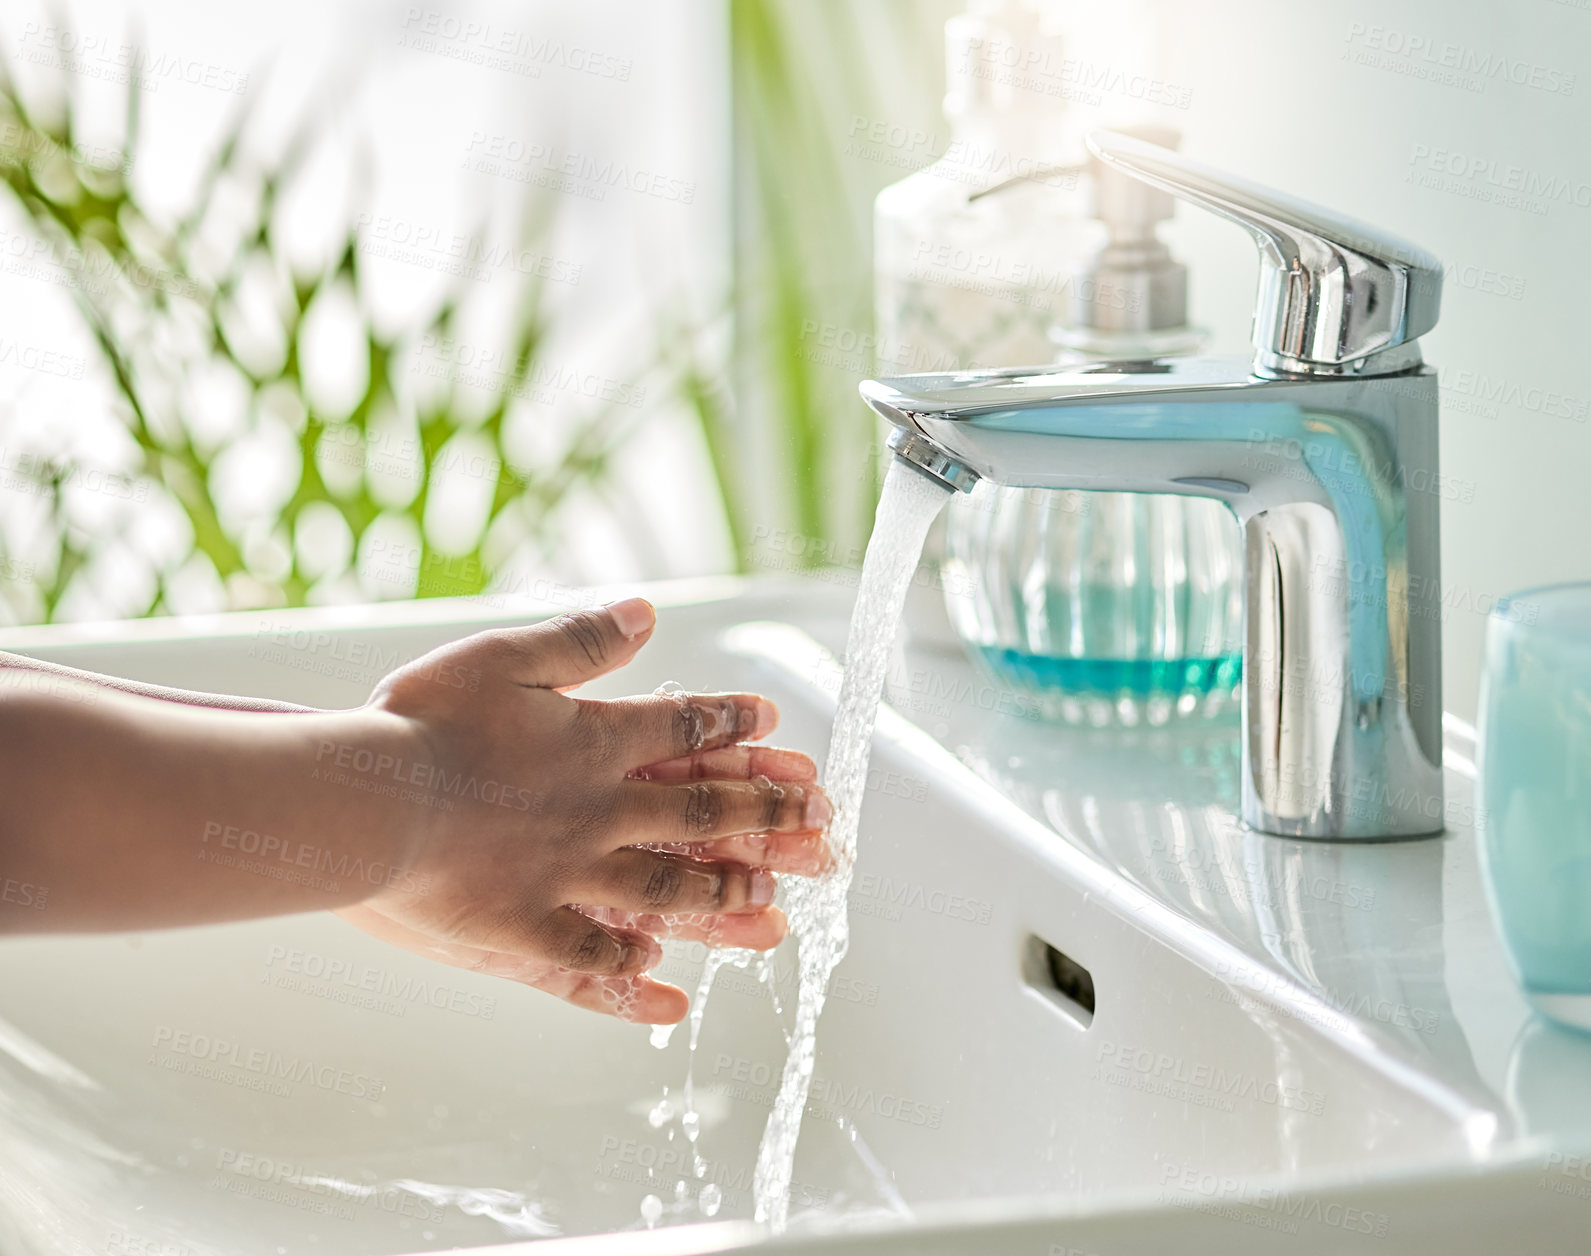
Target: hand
[{"x": 556, "y": 839}]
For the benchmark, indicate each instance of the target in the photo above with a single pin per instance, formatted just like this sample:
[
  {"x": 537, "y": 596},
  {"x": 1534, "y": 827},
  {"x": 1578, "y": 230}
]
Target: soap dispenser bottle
[
  {"x": 964, "y": 279},
  {"x": 1106, "y": 608}
]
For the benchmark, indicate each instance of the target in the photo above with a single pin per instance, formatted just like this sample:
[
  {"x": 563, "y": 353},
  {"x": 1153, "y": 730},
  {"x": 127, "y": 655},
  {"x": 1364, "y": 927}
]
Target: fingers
[
  {"x": 739, "y": 763},
  {"x": 562, "y": 938},
  {"x": 752, "y": 930},
  {"x": 673, "y": 726},
  {"x": 663, "y": 882},
  {"x": 700, "y": 810},
  {"x": 567, "y": 651},
  {"x": 574, "y": 941},
  {"x": 805, "y": 854},
  {"x": 639, "y": 999}
]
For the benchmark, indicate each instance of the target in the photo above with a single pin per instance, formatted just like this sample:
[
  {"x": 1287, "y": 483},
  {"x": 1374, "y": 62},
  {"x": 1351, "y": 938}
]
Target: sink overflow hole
[{"x": 1060, "y": 979}]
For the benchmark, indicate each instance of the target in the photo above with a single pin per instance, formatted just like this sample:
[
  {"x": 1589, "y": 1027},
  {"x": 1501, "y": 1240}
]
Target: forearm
[
  {"x": 14, "y": 663},
  {"x": 124, "y": 812}
]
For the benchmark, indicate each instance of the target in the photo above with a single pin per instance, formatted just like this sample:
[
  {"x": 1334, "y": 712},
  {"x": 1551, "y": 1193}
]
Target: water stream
[{"x": 816, "y": 906}]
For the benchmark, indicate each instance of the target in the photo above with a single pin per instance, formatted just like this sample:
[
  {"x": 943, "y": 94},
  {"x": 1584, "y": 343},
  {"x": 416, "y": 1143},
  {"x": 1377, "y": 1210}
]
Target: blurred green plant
[
  {"x": 166, "y": 306},
  {"x": 805, "y": 76}
]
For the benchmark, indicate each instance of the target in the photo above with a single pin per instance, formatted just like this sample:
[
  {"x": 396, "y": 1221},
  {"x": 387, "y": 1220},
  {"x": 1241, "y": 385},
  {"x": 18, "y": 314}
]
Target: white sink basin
[{"x": 1266, "y": 1015}]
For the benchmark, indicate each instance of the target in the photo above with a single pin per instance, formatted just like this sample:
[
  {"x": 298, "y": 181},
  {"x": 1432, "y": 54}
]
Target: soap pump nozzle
[{"x": 1129, "y": 296}]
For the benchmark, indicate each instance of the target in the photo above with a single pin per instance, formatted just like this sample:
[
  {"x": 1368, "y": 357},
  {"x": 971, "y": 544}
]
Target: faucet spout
[
  {"x": 925, "y": 456},
  {"x": 1333, "y": 479}
]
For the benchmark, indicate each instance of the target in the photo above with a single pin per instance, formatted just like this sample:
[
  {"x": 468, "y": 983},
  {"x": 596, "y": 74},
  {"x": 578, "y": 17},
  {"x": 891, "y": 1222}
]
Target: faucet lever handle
[{"x": 1334, "y": 295}]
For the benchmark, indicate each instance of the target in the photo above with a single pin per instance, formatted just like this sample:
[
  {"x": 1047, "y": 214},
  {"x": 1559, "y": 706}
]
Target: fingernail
[
  {"x": 634, "y": 616},
  {"x": 767, "y": 718},
  {"x": 763, "y": 884},
  {"x": 636, "y": 958},
  {"x": 817, "y": 811}
]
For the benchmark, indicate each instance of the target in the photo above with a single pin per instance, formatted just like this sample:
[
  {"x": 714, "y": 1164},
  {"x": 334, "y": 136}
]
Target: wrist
[{"x": 383, "y": 766}]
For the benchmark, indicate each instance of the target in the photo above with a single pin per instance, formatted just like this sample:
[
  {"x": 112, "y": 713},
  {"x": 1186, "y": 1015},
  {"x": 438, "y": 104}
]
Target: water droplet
[
  {"x": 661, "y": 1034},
  {"x": 661, "y": 1113},
  {"x": 691, "y": 1122},
  {"x": 710, "y": 1199},
  {"x": 651, "y": 1210},
  {"x": 669, "y": 689}
]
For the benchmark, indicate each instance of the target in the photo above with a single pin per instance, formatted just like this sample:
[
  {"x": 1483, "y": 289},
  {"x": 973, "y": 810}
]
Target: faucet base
[{"x": 1335, "y": 481}]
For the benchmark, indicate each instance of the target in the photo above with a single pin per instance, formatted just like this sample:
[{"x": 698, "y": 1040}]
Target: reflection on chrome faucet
[{"x": 1325, "y": 447}]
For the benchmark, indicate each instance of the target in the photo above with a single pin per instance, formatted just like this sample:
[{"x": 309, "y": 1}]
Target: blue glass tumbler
[{"x": 1534, "y": 793}]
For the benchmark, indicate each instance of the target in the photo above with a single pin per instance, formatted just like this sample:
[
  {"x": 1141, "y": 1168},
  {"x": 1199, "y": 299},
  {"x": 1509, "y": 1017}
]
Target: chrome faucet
[{"x": 1324, "y": 447}]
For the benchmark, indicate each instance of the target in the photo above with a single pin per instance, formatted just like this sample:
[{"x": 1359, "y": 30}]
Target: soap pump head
[{"x": 1130, "y": 285}]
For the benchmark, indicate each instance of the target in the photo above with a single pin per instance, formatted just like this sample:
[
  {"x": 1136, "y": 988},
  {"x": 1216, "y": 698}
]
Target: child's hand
[{"x": 556, "y": 837}]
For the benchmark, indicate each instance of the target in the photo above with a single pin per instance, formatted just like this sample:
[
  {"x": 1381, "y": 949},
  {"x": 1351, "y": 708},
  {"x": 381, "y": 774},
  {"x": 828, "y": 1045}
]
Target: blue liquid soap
[{"x": 1079, "y": 689}]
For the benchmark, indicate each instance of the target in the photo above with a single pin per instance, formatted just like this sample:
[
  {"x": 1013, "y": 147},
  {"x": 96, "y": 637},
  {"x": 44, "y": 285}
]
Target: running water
[{"x": 816, "y": 906}]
